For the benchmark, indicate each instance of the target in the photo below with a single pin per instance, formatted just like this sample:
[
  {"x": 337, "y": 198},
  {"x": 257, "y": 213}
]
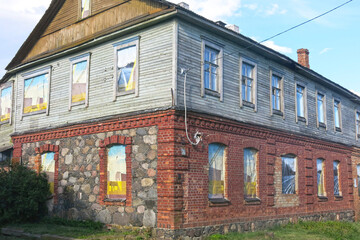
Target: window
[
  {"x": 277, "y": 103},
  {"x": 358, "y": 178},
  {"x": 250, "y": 173},
  {"x": 357, "y": 124},
  {"x": 212, "y": 70},
  {"x": 5, "y": 156},
  {"x": 84, "y": 8},
  {"x": 127, "y": 67},
  {"x": 48, "y": 167},
  {"x": 79, "y": 79},
  {"x": 248, "y": 83},
  {"x": 300, "y": 101},
  {"x": 116, "y": 172},
  {"x": 337, "y": 115},
  {"x": 336, "y": 179},
  {"x": 36, "y": 92},
  {"x": 5, "y": 104},
  {"x": 321, "y": 109},
  {"x": 216, "y": 171},
  {"x": 289, "y": 174},
  {"x": 320, "y": 177}
]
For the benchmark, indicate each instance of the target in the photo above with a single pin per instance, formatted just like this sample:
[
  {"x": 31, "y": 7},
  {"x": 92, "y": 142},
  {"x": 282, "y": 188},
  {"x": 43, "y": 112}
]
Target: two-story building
[{"x": 143, "y": 113}]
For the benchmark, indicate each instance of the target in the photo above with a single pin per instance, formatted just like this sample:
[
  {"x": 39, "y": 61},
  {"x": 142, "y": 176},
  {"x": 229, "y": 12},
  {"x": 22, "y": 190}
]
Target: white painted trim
[
  {"x": 73, "y": 61},
  {"x": 175, "y": 61}
]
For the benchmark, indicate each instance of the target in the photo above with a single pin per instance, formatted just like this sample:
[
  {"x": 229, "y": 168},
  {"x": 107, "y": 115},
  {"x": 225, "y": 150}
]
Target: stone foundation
[{"x": 250, "y": 226}]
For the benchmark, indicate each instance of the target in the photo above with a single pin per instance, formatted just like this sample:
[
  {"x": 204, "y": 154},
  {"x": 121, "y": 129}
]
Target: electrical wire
[{"x": 280, "y": 33}]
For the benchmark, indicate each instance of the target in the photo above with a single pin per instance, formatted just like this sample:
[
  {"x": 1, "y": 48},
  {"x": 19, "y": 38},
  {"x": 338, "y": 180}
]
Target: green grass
[
  {"x": 301, "y": 231},
  {"x": 80, "y": 229}
]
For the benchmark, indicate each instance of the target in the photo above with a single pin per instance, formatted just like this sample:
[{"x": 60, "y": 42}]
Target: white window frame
[
  {"x": 73, "y": 61},
  {"x": 220, "y": 81},
  {"x": 80, "y": 6},
  {"x": 305, "y": 102},
  {"x": 317, "y": 110},
  {"x": 6, "y": 85},
  {"x": 357, "y": 133},
  {"x": 121, "y": 45},
  {"x": 254, "y": 85},
  {"x": 340, "y": 114},
  {"x": 282, "y": 102},
  {"x": 35, "y": 73}
]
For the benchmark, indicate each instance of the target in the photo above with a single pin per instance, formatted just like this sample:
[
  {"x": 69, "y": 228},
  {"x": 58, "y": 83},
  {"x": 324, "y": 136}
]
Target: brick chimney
[{"x": 303, "y": 57}]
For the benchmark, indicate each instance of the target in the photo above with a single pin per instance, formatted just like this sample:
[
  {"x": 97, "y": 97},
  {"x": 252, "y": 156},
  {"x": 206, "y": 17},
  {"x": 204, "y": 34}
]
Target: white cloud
[
  {"x": 275, "y": 9},
  {"x": 325, "y": 50},
  {"x": 252, "y": 6},
  {"x": 303, "y": 10},
  {"x": 281, "y": 49},
  {"x": 355, "y": 92},
  {"x": 23, "y": 9},
  {"x": 214, "y": 9}
]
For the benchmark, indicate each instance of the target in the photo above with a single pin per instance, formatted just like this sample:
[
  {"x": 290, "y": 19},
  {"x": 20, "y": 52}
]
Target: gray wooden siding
[
  {"x": 155, "y": 82},
  {"x": 189, "y": 57},
  {"x": 5, "y": 139}
]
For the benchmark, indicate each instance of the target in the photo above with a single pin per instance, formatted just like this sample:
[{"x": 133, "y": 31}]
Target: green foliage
[
  {"x": 331, "y": 229},
  {"x": 74, "y": 223},
  {"x": 23, "y": 195}
]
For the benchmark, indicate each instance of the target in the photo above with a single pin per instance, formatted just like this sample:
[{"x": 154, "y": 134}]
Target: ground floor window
[
  {"x": 250, "y": 173},
  {"x": 216, "y": 171},
  {"x": 116, "y": 172},
  {"x": 48, "y": 167}
]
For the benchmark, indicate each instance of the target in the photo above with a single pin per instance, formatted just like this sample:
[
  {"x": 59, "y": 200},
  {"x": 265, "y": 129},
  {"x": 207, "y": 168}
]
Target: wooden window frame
[
  {"x": 73, "y": 61},
  {"x": 2, "y": 87},
  {"x": 318, "y": 123},
  {"x": 273, "y": 111},
  {"x": 31, "y": 74},
  {"x": 117, "y": 47},
  {"x": 297, "y": 117},
  {"x": 79, "y": 11},
  {"x": 253, "y": 102},
  {"x": 220, "y": 78},
  {"x": 337, "y": 129}
]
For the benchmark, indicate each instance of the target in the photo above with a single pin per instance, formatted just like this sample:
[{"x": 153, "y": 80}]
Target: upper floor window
[
  {"x": 5, "y": 104},
  {"x": 300, "y": 101},
  {"x": 212, "y": 70},
  {"x": 248, "y": 83},
  {"x": 36, "y": 92},
  {"x": 320, "y": 166},
  {"x": 250, "y": 173},
  {"x": 337, "y": 115},
  {"x": 216, "y": 171},
  {"x": 79, "y": 79},
  {"x": 337, "y": 191},
  {"x": 358, "y": 177},
  {"x": 48, "y": 167},
  {"x": 85, "y": 8},
  {"x": 289, "y": 183},
  {"x": 127, "y": 67},
  {"x": 277, "y": 103},
  {"x": 116, "y": 172},
  {"x": 321, "y": 109},
  {"x": 357, "y": 124}
]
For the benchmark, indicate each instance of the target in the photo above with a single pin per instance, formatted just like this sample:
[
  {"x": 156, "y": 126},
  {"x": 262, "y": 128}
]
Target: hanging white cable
[{"x": 197, "y": 135}]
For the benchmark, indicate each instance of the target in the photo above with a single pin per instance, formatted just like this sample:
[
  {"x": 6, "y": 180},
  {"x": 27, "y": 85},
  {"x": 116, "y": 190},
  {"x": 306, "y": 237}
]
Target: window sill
[
  {"x": 301, "y": 119},
  {"x": 278, "y": 112},
  {"x": 77, "y": 104},
  {"x": 252, "y": 201},
  {"x": 222, "y": 202},
  {"x": 322, "y": 125},
  {"x": 338, "y": 198},
  {"x": 248, "y": 104},
  {"x": 34, "y": 113},
  {"x": 4, "y": 122},
  {"x": 212, "y": 93},
  {"x": 114, "y": 200},
  {"x": 118, "y": 94},
  {"x": 323, "y": 198},
  {"x": 337, "y": 129}
]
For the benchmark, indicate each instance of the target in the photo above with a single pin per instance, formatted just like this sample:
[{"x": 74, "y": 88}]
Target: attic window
[{"x": 85, "y": 8}]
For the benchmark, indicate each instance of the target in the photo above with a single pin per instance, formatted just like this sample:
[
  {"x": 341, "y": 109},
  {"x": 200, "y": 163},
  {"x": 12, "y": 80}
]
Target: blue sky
[{"x": 333, "y": 40}]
